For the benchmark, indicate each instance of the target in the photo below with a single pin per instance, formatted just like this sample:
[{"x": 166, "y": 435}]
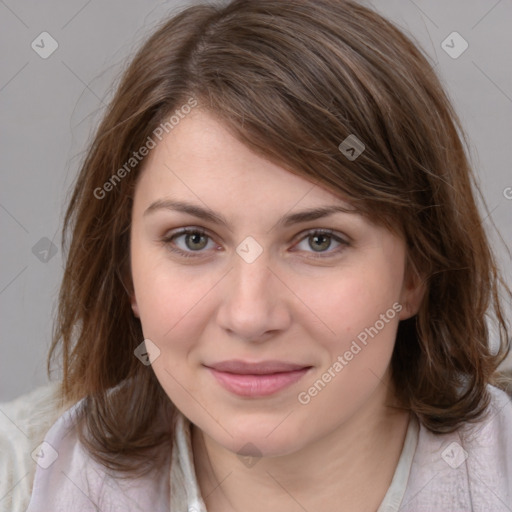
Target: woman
[{"x": 277, "y": 283}]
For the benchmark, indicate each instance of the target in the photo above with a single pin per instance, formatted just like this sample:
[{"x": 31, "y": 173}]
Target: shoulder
[
  {"x": 23, "y": 425},
  {"x": 468, "y": 469},
  {"x": 67, "y": 477}
]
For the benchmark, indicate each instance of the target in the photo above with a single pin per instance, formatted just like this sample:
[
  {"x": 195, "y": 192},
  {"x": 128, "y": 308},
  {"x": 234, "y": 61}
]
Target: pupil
[
  {"x": 196, "y": 237},
  {"x": 317, "y": 237}
]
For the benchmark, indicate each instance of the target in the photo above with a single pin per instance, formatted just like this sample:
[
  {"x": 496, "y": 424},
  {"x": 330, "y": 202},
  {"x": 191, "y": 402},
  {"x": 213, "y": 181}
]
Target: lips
[
  {"x": 256, "y": 379},
  {"x": 263, "y": 368}
]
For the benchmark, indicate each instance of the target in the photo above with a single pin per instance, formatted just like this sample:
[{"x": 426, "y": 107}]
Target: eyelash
[{"x": 167, "y": 240}]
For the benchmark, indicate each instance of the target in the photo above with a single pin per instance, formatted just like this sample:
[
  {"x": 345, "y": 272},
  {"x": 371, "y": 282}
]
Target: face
[{"x": 271, "y": 330}]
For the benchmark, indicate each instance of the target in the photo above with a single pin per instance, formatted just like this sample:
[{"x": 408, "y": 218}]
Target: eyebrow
[{"x": 216, "y": 218}]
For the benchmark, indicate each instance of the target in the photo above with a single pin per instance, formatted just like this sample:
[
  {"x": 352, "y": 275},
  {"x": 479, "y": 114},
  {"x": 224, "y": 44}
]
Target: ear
[
  {"x": 135, "y": 307},
  {"x": 413, "y": 291},
  {"x": 126, "y": 280}
]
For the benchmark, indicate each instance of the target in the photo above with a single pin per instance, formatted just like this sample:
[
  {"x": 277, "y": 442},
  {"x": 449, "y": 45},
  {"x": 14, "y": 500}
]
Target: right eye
[{"x": 192, "y": 240}]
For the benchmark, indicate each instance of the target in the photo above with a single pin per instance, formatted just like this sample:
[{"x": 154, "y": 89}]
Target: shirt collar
[{"x": 184, "y": 489}]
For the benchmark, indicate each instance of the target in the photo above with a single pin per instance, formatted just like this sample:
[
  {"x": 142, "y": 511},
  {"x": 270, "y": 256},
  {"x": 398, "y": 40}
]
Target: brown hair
[{"x": 291, "y": 79}]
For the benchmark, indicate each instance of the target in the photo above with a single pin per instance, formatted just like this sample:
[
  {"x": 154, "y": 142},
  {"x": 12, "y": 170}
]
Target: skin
[{"x": 340, "y": 450}]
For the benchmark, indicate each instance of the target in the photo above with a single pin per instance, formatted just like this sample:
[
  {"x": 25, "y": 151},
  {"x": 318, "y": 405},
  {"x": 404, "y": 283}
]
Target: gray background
[{"x": 49, "y": 108}]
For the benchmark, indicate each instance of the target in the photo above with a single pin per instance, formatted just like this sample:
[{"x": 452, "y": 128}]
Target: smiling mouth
[{"x": 257, "y": 379}]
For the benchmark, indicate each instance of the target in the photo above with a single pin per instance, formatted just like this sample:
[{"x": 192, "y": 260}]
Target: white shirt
[{"x": 467, "y": 470}]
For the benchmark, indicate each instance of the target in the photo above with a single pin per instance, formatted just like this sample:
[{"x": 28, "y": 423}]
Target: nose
[{"x": 254, "y": 302}]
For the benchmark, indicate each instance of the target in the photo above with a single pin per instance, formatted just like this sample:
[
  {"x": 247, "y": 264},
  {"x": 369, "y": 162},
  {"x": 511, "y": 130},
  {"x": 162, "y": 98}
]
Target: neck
[{"x": 332, "y": 473}]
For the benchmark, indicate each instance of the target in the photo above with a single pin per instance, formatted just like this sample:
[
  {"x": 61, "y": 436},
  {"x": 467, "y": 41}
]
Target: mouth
[{"x": 256, "y": 379}]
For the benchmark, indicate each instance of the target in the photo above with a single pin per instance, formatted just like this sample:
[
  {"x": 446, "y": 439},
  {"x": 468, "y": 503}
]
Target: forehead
[{"x": 201, "y": 160}]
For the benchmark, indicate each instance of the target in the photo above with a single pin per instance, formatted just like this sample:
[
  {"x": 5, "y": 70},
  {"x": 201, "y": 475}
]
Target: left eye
[{"x": 321, "y": 240}]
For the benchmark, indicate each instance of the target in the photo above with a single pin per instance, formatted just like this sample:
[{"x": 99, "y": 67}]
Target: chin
[{"x": 253, "y": 438}]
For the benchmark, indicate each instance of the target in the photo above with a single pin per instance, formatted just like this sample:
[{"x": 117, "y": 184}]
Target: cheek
[
  {"x": 169, "y": 307},
  {"x": 174, "y": 308},
  {"x": 164, "y": 294},
  {"x": 364, "y": 313},
  {"x": 342, "y": 306},
  {"x": 171, "y": 313}
]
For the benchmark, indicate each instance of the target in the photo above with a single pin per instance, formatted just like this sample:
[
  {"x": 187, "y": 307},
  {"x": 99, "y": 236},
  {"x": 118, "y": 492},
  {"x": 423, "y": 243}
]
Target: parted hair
[{"x": 291, "y": 79}]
